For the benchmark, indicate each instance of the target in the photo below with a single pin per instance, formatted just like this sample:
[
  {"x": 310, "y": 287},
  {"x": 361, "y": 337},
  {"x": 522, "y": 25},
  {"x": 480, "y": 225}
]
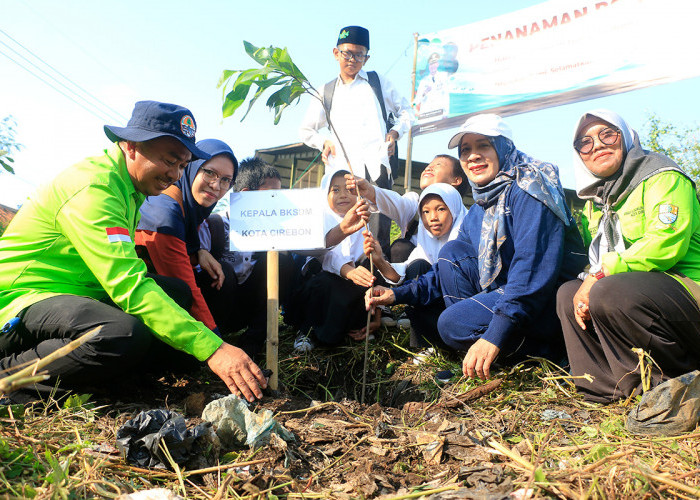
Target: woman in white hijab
[
  {"x": 642, "y": 224},
  {"x": 441, "y": 211},
  {"x": 328, "y": 307}
]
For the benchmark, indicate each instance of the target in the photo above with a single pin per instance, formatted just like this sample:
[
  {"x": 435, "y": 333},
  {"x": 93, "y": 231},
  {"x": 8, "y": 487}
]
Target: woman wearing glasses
[
  {"x": 642, "y": 224},
  {"x": 167, "y": 234}
]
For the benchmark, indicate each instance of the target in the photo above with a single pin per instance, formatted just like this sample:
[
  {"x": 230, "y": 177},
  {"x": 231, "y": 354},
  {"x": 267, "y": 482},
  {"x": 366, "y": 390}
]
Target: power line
[
  {"x": 101, "y": 118},
  {"x": 79, "y": 46},
  {"x": 107, "y": 109},
  {"x": 405, "y": 54}
]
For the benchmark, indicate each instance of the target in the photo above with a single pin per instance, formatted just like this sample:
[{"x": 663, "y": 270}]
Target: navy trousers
[{"x": 469, "y": 310}]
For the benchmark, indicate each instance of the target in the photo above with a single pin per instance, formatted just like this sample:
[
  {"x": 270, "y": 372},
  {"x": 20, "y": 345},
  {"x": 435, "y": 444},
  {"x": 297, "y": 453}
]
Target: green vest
[
  {"x": 76, "y": 236},
  {"x": 660, "y": 223}
]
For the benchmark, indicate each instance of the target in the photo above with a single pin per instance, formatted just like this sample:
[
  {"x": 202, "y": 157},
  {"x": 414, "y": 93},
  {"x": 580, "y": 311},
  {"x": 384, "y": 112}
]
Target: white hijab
[
  {"x": 348, "y": 250},
  {"x": 428, "y": 246}
]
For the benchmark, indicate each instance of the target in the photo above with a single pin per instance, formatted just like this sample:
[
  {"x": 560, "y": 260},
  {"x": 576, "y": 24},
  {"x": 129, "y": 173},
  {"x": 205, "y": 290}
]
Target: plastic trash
[
  {"x": 154, "y": 494},
  {"x": 669, "y": 409},
  {"x": 236, "y": 425},
  {"x": 139, "y": 440},
  {"x": 551, "y": 414}
]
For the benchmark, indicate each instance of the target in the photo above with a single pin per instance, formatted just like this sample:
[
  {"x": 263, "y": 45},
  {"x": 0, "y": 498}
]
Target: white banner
[
  {"x": 553, "y": 53},
  {"x": 285, "y": 219}
]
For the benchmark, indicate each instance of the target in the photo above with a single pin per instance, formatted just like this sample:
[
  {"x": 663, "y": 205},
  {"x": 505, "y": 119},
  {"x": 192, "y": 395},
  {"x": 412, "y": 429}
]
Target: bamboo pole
[
  {"x": 272, "y": 346},
  {"x": 409, "y": 153}
]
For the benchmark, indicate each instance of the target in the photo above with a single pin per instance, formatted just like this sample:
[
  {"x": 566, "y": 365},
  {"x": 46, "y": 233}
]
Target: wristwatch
[{"x": 596, "y": 272}]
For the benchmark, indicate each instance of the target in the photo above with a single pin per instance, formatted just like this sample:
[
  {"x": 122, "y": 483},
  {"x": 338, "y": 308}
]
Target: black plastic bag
[
  {"x": 139, "y": 440},
  {"x": 669, "y": 409}
]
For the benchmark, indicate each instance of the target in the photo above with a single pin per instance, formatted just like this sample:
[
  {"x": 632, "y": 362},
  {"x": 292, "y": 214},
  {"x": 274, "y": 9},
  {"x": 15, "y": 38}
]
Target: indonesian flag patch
[{"x": 116, "y": 234}]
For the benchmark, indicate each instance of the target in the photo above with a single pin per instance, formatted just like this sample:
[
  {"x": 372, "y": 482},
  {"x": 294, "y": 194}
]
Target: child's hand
[
  {"x": 360, "y": 186},
  {"x": 360, "y": 276},
  {"x": 355, "y": 218},
  {"x": 371, "y": 246},
  {"x": 374, "y": 324}
]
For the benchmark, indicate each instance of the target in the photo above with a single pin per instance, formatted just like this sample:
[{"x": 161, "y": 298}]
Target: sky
[{"x": 175, "y": 51}]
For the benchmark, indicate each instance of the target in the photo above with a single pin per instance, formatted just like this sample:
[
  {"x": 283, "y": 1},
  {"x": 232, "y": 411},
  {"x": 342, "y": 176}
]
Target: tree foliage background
[
  {"x": 681, "y": 143},
  {"x": 8, "y": 143}
]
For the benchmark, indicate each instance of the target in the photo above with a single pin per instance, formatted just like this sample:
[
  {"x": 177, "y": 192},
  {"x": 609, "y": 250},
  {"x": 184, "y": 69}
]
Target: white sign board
[{"x": 277, "y": 219}]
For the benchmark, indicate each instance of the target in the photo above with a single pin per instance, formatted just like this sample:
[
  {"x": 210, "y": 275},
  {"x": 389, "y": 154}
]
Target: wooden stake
[
  {"x": 407, "y": 181},
  {"x": 273, "y": 303}
]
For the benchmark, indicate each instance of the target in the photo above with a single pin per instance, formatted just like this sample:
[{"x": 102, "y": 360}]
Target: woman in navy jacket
[{"x": 517, "y": 244}]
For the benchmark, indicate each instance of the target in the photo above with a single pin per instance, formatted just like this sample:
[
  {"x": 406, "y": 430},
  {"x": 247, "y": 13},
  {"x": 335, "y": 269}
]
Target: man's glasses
[
  {"x": 607, "y": 136},
  {"x": 349, "y": 56},
  {"x": 211, "y": 176}
]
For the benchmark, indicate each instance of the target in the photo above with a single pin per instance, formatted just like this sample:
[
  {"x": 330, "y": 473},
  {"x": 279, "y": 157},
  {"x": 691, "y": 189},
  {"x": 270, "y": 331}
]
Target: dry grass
[{"x": 416, "y": 438}]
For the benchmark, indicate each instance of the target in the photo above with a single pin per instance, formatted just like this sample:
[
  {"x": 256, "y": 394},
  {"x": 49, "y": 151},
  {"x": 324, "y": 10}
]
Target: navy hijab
[{"x": 163, "y": 214}]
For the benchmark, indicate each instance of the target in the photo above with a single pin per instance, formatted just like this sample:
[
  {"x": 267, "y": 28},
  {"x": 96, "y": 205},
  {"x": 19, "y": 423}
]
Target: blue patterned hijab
[
  {"x": 163, "y": 214},
  {"x": 538, "y": 179}
]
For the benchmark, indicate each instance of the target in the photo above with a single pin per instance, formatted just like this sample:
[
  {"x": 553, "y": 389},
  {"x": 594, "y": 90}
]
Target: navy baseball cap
[{"x": 152, "y": 119}]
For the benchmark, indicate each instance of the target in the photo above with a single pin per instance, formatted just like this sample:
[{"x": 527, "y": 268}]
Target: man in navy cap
[
  {"x": 368, "y": 116},
  {"x": 68, "y": 264}
]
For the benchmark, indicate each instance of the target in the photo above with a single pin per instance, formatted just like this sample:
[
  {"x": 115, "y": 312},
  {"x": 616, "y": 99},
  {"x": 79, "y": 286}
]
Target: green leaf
[
  {"x": 265, "y": 83},
  {"x": 282, "y": 96},
  {"x": 539, "y": 476},
  {"x": 251, "y": 51},
  {"x": 278, "y": 112},
  {"x": 262, "y": 55},
  {"x": 278, "y": 69},
  {"x": 285, "y": 61},
  {"x": 235, "y": 98},
  {"x": 614, "y": 426},
  {"x": 17, "y": 411},
  {"x": 78, "y": 401},
  {"x": 225, "y": 76},
  {"x": 600, "y": 451},
  {"x": 57, "y": 475},
  {"x": 6, "y": 166},
  {"x": 589, "y": 431}
]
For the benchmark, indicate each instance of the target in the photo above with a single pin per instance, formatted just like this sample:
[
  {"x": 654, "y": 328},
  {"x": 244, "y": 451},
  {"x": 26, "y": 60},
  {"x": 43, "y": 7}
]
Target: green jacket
[
  {"x": 660, "y": 223},
  {"x": 76, "y": 236}
]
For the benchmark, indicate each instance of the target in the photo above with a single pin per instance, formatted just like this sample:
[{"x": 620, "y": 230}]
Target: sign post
[
  {"x": 273, "y": 307},
  {"x": 272, "y": 221}
]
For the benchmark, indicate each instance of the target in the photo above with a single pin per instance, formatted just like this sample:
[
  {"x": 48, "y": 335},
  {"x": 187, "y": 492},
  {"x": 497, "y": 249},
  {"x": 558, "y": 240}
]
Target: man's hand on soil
[{"x": 240, "y": 374}]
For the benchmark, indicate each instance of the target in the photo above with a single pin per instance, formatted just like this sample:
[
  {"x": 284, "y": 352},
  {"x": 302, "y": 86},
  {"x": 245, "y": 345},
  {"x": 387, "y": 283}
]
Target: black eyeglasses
[
  {"x": 211, "y": 176},
  {"x": 349, "y": 56},
  {"x": 607, "y": 136}
]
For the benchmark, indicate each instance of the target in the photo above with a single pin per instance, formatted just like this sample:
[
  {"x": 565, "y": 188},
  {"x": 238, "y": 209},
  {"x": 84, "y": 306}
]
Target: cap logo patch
[
  {"x": 344, "y": 34},
  {"x": 187, "y": 126},
  {"x": 668, "y": 213}
]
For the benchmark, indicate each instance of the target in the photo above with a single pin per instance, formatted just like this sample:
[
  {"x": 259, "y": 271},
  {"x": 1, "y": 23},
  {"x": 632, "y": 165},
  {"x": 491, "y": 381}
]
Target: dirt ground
[
  {"x": 522, "y": 434},
  {"x": 412, "y": 436}
]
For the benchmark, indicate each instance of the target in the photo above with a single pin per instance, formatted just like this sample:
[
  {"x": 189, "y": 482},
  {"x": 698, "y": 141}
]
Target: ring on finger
[{"x": 580, "y": 305}]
